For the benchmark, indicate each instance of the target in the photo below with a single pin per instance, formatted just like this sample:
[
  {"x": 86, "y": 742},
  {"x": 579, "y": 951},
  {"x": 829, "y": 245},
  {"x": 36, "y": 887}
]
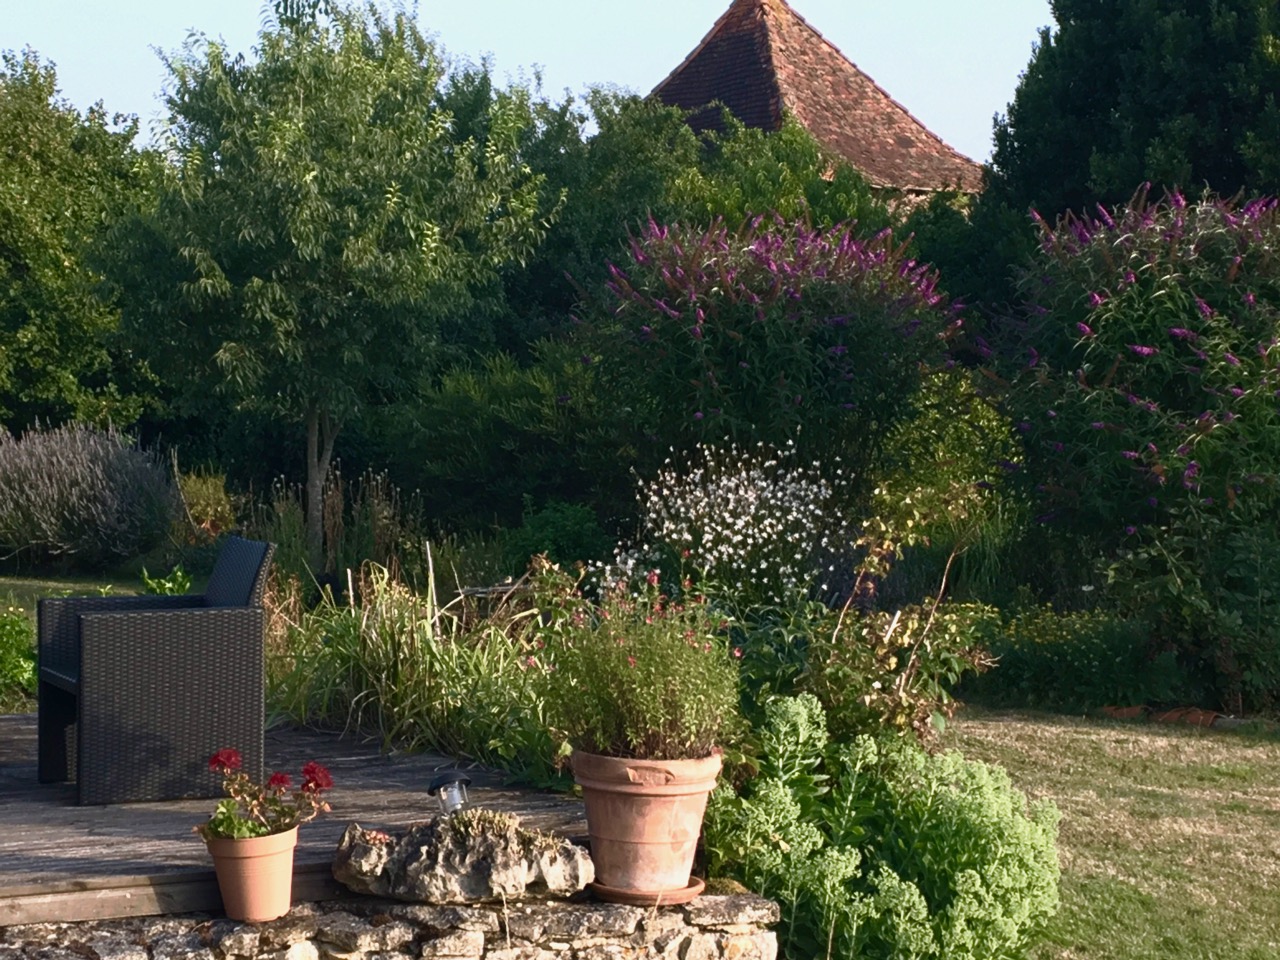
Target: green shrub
[
  {"x": 17, "y": 660},
  {"x": 878, "y": 850},
  {"x": 209, "y": 506},
  {"x": 1146, "y": 398},
  {"x": 1078, "y": 661},
  {"x": 567, "y": 533},
  {"x": 80, "y": 496},
  {"x": 875, "y": 670},
  {"x": 778, "y": 332}
]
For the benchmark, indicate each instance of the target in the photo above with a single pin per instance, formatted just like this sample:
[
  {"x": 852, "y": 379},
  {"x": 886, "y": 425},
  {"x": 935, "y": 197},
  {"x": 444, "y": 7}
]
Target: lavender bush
[
  {"x": 1147, "y": 396},
  {"x": 80, "y": 496},
  {"x": 777, "y": 332}
]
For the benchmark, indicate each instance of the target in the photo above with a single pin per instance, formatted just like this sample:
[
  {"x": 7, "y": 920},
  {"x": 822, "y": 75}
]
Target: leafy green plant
[
  {"x": 17, "y": 659},
  {"x": 175, "y": 582},
  {"x": 638, "y": 675},
  {"x": 880, "y": 850}
]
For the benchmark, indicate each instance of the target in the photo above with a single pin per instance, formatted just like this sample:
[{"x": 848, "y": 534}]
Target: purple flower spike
[
  {"x": 1152, "y": 502},
  {"x": 697, "y": 415},
  {"x": 1143, "y": 351},
  {"x": 1096, "y": 299},
  {"x": 1084, "y": 329},
  {"x": 1130, "y": 530},
  {"x": 1182, "y": 333},
  {"x": 1205, "y": 310},
  {"x": 1129, "y": 454},
  {"x": 1232, "y": 359},
  {"x": 1098, "y": 425}
]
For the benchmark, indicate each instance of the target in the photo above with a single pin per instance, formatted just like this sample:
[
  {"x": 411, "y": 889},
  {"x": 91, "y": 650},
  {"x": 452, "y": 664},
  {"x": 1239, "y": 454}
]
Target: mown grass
[
  {"x": 22, "y": 593},
  {"x": 1170, "y": 837}
]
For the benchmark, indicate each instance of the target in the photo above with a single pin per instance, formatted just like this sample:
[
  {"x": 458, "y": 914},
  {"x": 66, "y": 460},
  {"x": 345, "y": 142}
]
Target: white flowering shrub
[{"x": 750, "y": 525}]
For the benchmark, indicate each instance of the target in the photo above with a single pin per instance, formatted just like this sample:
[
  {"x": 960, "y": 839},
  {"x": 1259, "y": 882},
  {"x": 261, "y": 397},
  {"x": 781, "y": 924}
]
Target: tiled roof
[{"x": 762, "y": 59}]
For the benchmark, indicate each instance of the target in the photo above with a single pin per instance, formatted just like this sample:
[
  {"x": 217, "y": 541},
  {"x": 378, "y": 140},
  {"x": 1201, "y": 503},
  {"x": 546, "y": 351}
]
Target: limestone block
[
  {"x": 460, "y": 944},
  {"x": 731, "y": 911},
  {"x": 474, "y": 856}
]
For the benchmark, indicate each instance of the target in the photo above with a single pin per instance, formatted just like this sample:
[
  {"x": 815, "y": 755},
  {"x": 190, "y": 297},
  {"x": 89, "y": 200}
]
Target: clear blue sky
[{"x": 953, "y": 63}]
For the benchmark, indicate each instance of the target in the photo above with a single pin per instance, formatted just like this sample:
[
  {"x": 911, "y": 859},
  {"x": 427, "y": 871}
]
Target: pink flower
[{"x": 631, "y": 661}]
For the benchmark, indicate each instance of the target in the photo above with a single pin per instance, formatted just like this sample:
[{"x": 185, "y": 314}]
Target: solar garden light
[{"x": 451, "y": 790}]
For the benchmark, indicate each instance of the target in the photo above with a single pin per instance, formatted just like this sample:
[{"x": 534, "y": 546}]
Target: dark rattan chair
[{"x": 136, "y": 693}]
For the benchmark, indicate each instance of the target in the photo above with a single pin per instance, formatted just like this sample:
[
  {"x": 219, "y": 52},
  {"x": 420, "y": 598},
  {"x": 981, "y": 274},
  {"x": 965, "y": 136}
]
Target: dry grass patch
[{"x": 1170, "y": 836}]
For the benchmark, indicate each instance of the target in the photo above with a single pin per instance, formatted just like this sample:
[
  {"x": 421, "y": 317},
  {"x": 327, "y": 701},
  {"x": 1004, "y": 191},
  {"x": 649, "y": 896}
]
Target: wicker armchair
[{"x": 136, "y": 693}]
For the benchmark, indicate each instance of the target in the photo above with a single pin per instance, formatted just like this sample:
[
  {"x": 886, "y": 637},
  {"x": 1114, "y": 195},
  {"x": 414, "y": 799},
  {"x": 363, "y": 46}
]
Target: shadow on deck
[{"x": 62, "y": 862}]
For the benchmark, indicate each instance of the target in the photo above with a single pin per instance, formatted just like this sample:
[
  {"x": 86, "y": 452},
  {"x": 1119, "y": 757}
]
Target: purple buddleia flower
[
  {"x": 1130, "y": 530},
  {"x": 1130, "y": 454},
  {"x": 1084, "y": 329},
  {"x": 1096, "y": 299},
  {"x": 1143, "y": 351},
  {"x": 1231, "y": 359},
  {"x": 1206, "y": 311},
  {"x": 1182, "y": 333}
]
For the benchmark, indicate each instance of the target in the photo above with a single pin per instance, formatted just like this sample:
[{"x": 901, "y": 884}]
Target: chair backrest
[{"x": 240, "y": 575}]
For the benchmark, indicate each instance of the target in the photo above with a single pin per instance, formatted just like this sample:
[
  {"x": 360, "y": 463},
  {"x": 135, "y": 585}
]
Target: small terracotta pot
[
  {"x": 255, "y": 875},
  {"x": 644, "y": 818}
]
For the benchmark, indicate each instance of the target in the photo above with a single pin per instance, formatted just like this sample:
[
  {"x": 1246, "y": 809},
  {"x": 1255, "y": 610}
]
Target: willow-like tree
[{"x": 321, "y": 216}]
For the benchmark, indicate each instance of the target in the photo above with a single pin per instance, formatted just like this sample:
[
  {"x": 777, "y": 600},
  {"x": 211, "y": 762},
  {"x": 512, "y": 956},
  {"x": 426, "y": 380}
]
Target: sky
[{"x": 953, "y": 63}]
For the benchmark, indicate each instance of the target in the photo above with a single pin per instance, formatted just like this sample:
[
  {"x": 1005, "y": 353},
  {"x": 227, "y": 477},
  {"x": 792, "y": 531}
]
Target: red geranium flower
[
  {"x": 315, "y": 777},
  {"x": 279, "y": 781},
  {"x": 225, "y": 760}
]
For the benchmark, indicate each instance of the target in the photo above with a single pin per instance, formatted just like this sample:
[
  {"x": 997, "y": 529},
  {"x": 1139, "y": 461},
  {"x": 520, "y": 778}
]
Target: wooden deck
[{"x": 62, "y": 862}]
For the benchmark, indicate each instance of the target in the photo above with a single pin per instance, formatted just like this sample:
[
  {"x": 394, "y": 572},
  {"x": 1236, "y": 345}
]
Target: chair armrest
[
  {"x": 161, "y": 691},
  {"x": 59, "y": 623}
]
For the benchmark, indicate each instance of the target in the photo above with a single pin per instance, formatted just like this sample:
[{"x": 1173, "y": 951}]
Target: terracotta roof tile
[{"x": 761, "y": 58}]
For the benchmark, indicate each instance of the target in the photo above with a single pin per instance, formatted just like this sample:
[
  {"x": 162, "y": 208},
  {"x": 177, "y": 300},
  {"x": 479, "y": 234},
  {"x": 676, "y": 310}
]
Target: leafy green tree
[
  {"x": 323, "y": 218},
  {"x": 1182, "y": 93},
  {"x": 63, "y": 177}
]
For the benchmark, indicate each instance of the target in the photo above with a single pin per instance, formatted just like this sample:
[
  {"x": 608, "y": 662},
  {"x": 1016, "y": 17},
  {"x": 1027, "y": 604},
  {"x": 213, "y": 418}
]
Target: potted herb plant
[
  {"x": 253, "y": 832},
  {"x": 643, "y": 689}
]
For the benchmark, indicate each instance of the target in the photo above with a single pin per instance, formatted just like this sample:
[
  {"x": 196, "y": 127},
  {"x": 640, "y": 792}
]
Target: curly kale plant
[{"x": 879, "y": 850}]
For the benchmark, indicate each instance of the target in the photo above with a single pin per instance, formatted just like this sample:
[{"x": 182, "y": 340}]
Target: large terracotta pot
[
  {"x": 644, "y": 818},
  {"x": 255, "y": 875}
]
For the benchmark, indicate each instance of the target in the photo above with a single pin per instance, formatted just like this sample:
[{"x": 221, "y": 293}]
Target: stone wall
[{"x": 709, "y": 928}]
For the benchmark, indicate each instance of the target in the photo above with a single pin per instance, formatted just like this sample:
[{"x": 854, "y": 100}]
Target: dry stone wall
[{"x": 710, "y": 928}]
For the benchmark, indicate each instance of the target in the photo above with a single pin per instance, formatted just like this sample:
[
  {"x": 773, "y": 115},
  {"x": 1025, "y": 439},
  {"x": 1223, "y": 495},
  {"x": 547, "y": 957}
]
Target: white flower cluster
[{"x": 755, "y": 525}]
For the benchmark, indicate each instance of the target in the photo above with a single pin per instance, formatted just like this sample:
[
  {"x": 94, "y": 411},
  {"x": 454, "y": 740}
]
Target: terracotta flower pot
[
  {"x": 255, "y": 875},
  {"x": 644, "y": 818}
]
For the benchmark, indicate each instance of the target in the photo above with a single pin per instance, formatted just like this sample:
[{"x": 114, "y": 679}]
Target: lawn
[
  {"x": 25, "y": 591},
  {"x": 1170, "y": 837}
]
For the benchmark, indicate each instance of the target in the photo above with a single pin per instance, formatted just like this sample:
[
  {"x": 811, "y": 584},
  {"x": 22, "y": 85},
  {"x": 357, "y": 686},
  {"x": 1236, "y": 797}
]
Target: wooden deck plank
[{"x": 59, "y": 861}]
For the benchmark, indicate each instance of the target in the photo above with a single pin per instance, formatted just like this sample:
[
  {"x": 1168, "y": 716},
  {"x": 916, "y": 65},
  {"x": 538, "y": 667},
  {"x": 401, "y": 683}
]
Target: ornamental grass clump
[
  {"x": 636, "y": 675},
  {"x": 1147, "y": 398},
  {"x": 261, "y": 809}
]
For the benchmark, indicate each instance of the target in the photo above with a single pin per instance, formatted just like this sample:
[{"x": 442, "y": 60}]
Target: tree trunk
[{"x": 321, "y": 432}]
